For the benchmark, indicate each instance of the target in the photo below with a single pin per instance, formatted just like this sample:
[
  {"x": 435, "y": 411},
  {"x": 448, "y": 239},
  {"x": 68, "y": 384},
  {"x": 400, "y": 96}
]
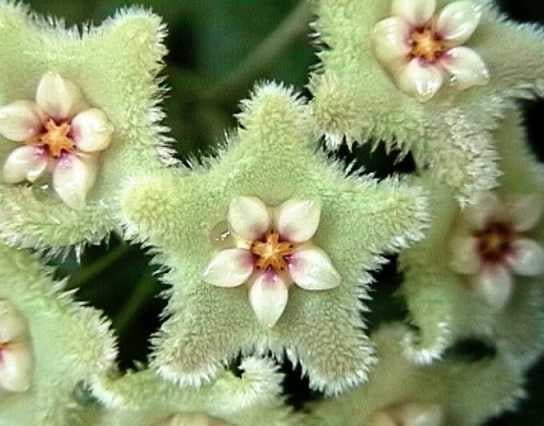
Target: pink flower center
[
  {"x": 271, "y": 252},
  {"x": 426, "y": 44},
  {"x": 495, "y": 242},
  {"x": 55, "y": 138}
]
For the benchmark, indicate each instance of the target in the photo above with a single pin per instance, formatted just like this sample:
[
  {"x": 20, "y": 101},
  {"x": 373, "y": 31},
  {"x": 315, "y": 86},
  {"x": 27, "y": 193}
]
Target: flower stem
[
  {"x": 234, "y": 85},
  {"x": 143, "y": 290},
  {"x": 90, "y": 272}
]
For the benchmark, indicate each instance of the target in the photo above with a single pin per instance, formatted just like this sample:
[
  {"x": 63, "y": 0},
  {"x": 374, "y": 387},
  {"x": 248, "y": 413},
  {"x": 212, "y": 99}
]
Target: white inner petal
[
  {"x": 390, "y": 39},
  {"x": 488, "y": 207},
  {"x": 526, "y": 212},
  {"x": 268, "y": 297},
  {"x": 25, "y": 163},
  {"x": 229, "y": 268},
  {"x": 420, "y": 414},
  {"x": 298, "y": 220},
  {"x": 420, "y": 79},
  {"x": 466, "y": 67},
  {"x": 20, "y": 121},
  {"x": 465, "y": 258},
  {"x": 458, "y": 21},
  {"x": 12, "y": 323},
  {"x": 92, "y": 130},
  {"x": 528, "y": 258},
  {"x": 16, "y": 366},
  {"x": 248, "y": 217},
  {"x": 58, "y": 97},
  {"x": 312, "y": 269},
  {"x": 494, "y": 285},
  {"x": 415, "y": 12},
  {"x": 73, "y": 178}
]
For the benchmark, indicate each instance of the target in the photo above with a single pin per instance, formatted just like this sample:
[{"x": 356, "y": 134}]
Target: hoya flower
[
  {"x": 74, "y": 123},
  {"x": 48, "y": 344},
  {"x": 478, "y": 272},
  {"x": 400, "y": 393},
  {"x": 409, "y": 414},
  {"x": 380, "y": 59},
  {"x": 16, "y": 358},
  {"x": 60, "y": 134},
  {"x": 493, "y": 243},
  {"x": 273, "y": 250},
  {"x": 295, "y": 222},
  {"x": 143, "y": 399},
  {"x": 423, "y": 50}
]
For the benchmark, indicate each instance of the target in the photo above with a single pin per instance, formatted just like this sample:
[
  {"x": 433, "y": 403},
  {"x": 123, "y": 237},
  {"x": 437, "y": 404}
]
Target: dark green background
[{"x": 207, "y": 42}]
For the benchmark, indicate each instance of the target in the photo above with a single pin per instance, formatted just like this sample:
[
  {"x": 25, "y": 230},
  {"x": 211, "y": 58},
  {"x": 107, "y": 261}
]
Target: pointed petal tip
[
  {"x": 528, "y": 258},
  {"x": 268, "y": 297},
  {"x": 16, "y": 367},
  {"x": 229, "y": 268},
  {"x": 248, "y": 217},
  {"x": 73, "y": 178},
  {"x": 298, "y": 220},
  {"x": 495, "y": 286},
  {"x": 24, "y": 163},
  {"x": 312, "y": 269},
  {"x": 420, "y": 80},
  {"x": 59, "y": 97},
  {"x": 20, "y": 121},
  {"x": 415, "y": 12},
  {"x": 458, "y": 21},
  {"x": 92, "y": 131}
]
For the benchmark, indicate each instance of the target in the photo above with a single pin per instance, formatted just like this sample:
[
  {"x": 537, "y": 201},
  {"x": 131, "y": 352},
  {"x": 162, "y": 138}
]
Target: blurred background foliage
[{"x": 218, "y": 49}]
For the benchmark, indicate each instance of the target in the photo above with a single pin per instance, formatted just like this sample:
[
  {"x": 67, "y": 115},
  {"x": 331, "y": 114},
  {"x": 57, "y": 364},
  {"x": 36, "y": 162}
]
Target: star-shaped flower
[
  {"x": 273, "y": 251},
  {"x": 272, "y": 158},
  {"x": 493, "y": 242},
  {"x": 93, "y": 94},
  {"x": 48, "y": 344},
  {"x": 60, "y": 134},
  {"x": 383, "y": 57},
  {"x": 479, "y": 271},
  {"x": 421, "y": 49},
  {"x": 142, "y": 399},
  {"x": 400, "y": 393}
]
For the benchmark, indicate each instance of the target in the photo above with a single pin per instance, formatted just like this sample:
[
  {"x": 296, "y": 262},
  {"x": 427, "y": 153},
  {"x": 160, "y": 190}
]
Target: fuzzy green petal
[
  {"x": 122, "y": 82},
  {"x": 143, "y": 397},
  {"x": 356, "y": 98},
  {"x": 441, "y": 305},
  {"x": 495, "y": 386},
  {"x": 273, "y": 157},
  {"x": 71, "y": 342}
]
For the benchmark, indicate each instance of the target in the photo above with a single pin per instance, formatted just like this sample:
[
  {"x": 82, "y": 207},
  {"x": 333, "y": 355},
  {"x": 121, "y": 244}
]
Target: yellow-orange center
[
  {"x": 426, "y": 45},
  {"x": 271, "y": 252},
  {"x": 56, "y": 137}
]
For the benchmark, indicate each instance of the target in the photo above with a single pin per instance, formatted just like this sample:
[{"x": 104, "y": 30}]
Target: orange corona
[{"x": 271, "y": 252}]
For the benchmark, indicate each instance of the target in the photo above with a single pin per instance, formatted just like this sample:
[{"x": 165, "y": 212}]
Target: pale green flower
[
  {"x": 366, "y": 91},
  {"x": 447, "y": 393},
  {"x": 142, "y": 398},
  {"x": 95, "y": 121},
  {"x": 48, "y": 344},
  {"x": 273, "y": 158},
  {"x": 479, "y": 271}
]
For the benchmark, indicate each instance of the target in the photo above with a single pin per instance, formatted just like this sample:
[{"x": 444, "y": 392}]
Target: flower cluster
[
  {"x": 273, "y": 250},
  {"x": 61, "y": 135},
  {"x": 422, "y": 49},
  {"x": 270, "y": 246}
]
